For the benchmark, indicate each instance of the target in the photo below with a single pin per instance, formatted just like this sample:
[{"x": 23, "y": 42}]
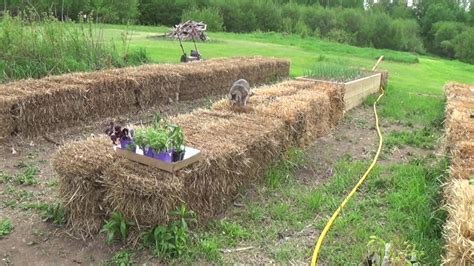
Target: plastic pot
[
  {"x": 125, "y": 143},
  {"x": 149, "y": 152},
  {"x": 164, "y": 156},
  {"x": 178, "y": 156}
]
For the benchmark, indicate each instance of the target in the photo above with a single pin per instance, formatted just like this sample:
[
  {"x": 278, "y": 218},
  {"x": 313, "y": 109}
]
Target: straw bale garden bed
[{"x": 459, "y": 190}]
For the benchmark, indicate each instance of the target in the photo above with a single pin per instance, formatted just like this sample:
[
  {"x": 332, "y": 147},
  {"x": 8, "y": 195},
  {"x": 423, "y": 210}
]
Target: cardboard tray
[{"x": 191, "y": 156}]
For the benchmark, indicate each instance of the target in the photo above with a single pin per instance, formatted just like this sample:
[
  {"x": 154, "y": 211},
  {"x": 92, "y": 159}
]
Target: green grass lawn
[{"x": 399, "y": 202}]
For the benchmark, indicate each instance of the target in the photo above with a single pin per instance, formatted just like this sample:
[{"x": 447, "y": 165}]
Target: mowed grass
[{"x": 398, "y": 203}]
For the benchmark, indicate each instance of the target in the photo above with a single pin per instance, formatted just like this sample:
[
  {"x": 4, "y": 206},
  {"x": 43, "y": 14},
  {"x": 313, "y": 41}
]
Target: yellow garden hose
[{"x": 314, "y": 260}]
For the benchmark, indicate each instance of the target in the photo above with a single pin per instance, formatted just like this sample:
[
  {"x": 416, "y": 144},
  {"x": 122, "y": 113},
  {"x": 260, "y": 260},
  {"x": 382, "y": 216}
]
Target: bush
[
  {"x": 464, "y": 46},
  {"x": 351, "y": 20},
  {"x": 268, "y": 15},
  {"x": 406, "y": 36},
  {"x": 321, "y": 20},
  {"x": 302, "y": 29},
  {"x": 340, "y": 36},
  {"x": 211, "y": 16},
  {"x": 445, "y": 34},
  {"x": 238, "y": 15},
  {"x": 381, "y": 32},
  {"x": 162, "y": 12}
]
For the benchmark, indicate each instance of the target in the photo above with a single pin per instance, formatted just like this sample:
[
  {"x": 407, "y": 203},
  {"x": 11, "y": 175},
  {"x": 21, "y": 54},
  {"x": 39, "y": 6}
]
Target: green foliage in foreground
[{"x": 116, "y": 227}]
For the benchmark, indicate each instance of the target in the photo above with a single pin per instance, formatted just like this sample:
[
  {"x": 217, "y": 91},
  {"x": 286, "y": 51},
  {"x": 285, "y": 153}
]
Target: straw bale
[
  {"x": 80, "y": 166},
  {"x": 462, "y": 161},
  {"x": 58, "y": 102},
  {"x": 459, "y": 193},
  {"x": 143, "y": 196},
  {"x": 237, "y": 148},
  {"x": 459, "y": 227}
]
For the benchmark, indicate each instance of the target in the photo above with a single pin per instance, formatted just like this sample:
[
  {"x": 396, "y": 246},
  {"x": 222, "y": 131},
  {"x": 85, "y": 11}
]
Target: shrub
[
  {"x": 464, "y": 46},
  {"x": 323, "y": 20},
  {"x": 268, "y": 15},
  {"x": 381, "y": 32},
  {"x": 211, "y": 16},
  {"x": 302, "y": 29},
  {"x": 238, "y": 15},
  {"x": 340, "y": 36},
  {"x": 445, "y": 34},
  {"x": 406, "y": 36}
]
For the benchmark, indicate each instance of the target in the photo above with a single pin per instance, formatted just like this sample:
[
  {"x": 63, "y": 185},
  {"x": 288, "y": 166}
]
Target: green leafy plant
[
  {"x": 55, "y": 213},
  {"x": 171, "y": 240},
  {"x": 122, "y": 258},
  {"x": 28, "y": 177},
  {"x": 176, "y": 137},
  {"x": 157, "y": 139},
  {"x": 116, "y": 226},
  {"x": 5, "y": 227},
  {"x": 381, "y": 252}
]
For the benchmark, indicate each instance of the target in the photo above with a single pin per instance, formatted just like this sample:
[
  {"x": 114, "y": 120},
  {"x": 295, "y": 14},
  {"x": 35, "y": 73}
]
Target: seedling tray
[{"x": 191, "y": 156}]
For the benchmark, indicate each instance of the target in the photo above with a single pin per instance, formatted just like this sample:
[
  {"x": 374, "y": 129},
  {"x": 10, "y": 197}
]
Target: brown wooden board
[
  {"x": 191, "y": 156},
  {"x": 355, "y": 91}
]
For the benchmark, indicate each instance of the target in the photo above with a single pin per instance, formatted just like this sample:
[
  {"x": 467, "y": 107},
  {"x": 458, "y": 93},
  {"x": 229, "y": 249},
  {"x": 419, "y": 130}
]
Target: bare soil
[{"x": 33, "y": 241}]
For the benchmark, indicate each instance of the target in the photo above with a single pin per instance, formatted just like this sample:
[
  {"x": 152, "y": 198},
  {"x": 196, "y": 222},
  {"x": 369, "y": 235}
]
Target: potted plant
[
  {"x": 157, "y": 140},
  {"x": 117, "y": 133},
  {"x": 125, "y": 139},
  {"x": 140, "y": 140},
  {"x": 176, "y": 137}
]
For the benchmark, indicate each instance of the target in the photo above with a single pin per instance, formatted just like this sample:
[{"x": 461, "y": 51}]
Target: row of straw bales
[
  {"x": 459, "y": 192},
  {"x": 32, "y": 107},
  {"x": 237, "y": 145}
]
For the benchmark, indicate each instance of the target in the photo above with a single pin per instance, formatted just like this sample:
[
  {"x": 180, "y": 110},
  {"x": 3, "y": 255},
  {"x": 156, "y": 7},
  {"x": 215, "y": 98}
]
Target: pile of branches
[{"x": 189, "y": 30}]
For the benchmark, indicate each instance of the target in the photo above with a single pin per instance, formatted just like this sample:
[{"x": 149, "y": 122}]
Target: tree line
[{"x": 442, "y": 27}]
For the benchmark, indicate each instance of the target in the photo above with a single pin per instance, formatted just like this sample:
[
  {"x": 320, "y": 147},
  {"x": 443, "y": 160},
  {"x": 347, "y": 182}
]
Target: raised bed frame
[{"x": 355, "y": 91}]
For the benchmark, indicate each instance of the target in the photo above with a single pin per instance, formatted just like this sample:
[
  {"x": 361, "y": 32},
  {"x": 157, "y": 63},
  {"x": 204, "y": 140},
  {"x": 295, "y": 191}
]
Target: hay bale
[
  {"x": 7, "y": 109},
  {"x": 459, "y": 227},
  {"x": 460, "y": 103},
  {"x": 459, "y": 194},
  {"x": 143, "y": 196},
  {"x": 462, "y": 161},
  {"x": 58, "y": 102},
  {"x": 80, "y": 166},
  {"x": 237, "y": 148}
]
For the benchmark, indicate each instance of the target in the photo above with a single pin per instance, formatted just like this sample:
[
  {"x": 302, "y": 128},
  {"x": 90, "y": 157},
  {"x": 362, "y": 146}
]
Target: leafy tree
[
  {"x": 445, "y": 33},
  {"x": 464, "y": 46}
]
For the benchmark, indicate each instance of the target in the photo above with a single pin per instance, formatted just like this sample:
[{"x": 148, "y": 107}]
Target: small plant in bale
[
  {"x": 171, "y": 240},
  {"x": 115, "y": 227}
]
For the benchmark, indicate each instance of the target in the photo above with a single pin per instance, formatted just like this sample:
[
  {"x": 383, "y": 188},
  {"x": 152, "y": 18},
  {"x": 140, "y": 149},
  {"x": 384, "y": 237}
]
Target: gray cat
[{"x": 240, "y": 92}]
